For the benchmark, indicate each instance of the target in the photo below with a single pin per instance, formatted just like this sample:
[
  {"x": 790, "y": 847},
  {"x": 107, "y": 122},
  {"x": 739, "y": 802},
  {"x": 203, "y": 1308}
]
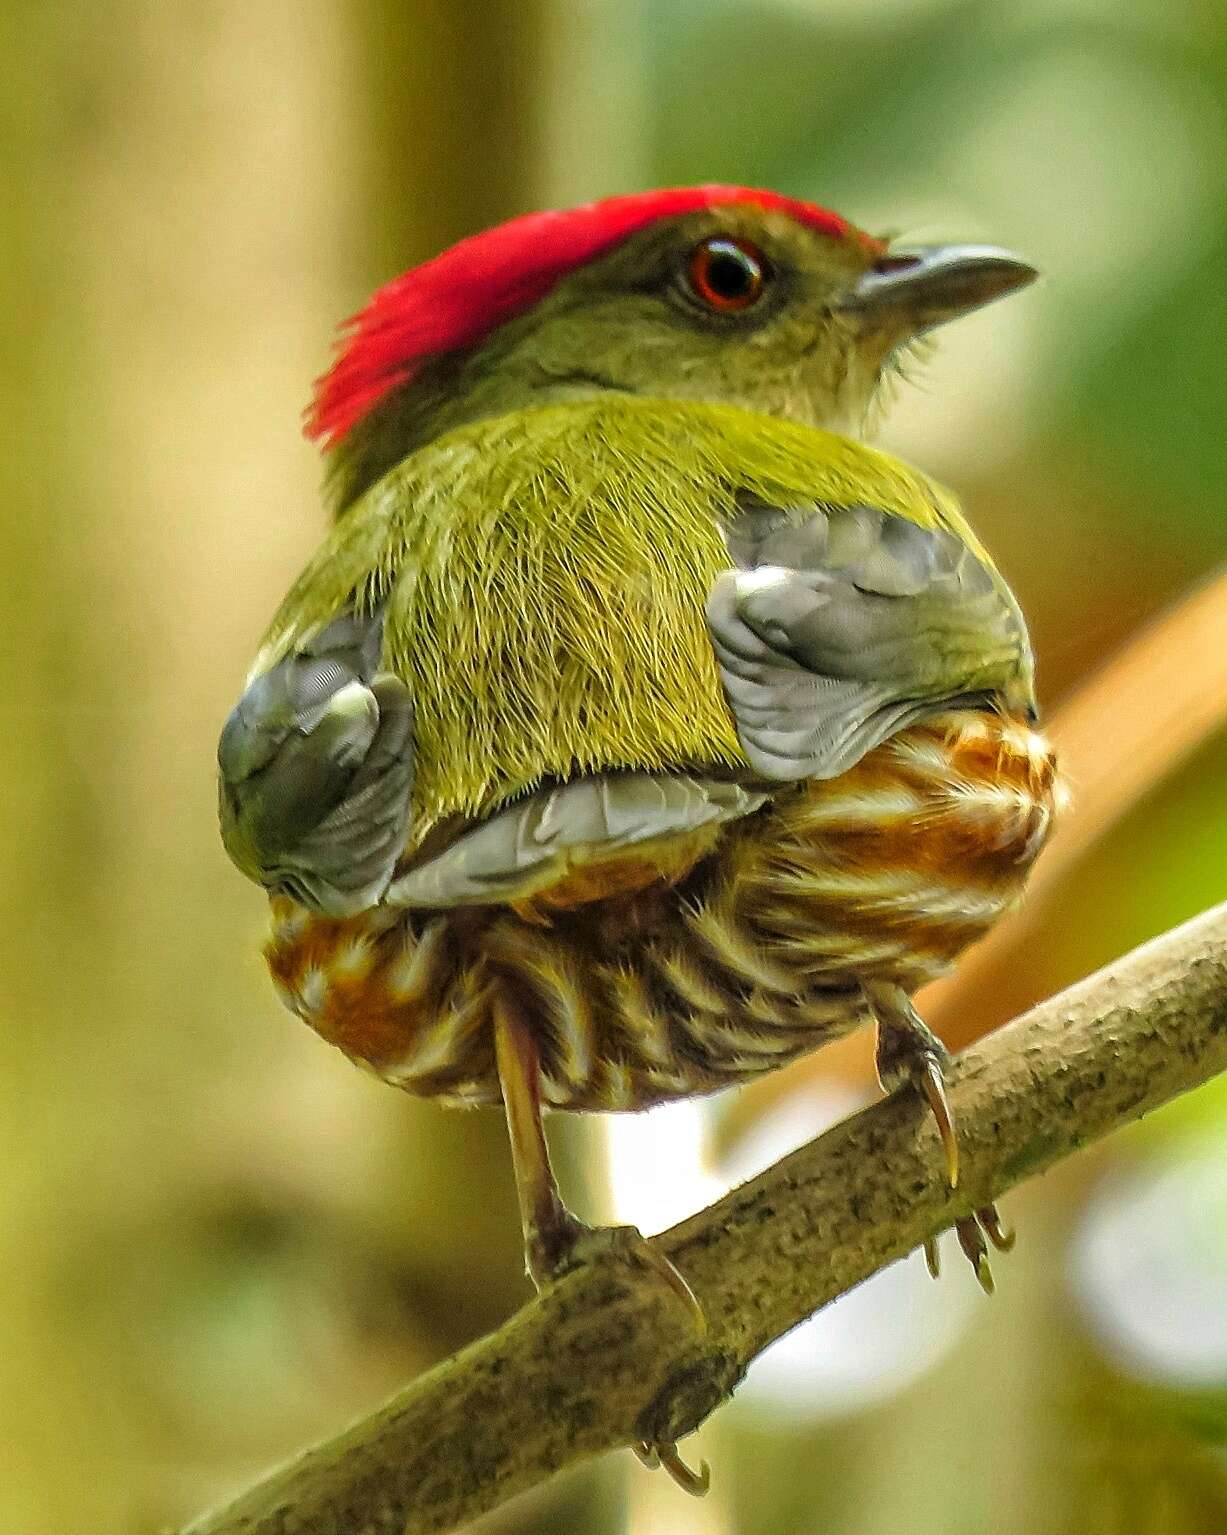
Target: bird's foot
[
  {"x": 971, "y": 1231},
  {"x": 565, "y": 1243},
  {"x": 667, "y": 1458},
  {"x": 908, "y": 1052},
  {"x": 554, "y": 1239},
  {"x": 562, "y": 1244}
]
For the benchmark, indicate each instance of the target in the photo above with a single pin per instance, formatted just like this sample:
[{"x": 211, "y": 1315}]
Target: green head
[{"x": 721, "y": 294}]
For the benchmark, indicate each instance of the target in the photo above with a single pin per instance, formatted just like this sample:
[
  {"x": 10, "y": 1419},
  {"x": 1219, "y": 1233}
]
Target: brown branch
[{"x": 607, "y": 1355}]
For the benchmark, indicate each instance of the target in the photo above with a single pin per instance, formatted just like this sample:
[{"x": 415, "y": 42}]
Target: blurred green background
[{"x": 217, "y": 1240}]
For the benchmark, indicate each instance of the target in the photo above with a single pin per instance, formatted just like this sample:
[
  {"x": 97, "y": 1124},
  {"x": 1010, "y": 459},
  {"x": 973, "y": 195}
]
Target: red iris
[{"x": 726, "y": 274}]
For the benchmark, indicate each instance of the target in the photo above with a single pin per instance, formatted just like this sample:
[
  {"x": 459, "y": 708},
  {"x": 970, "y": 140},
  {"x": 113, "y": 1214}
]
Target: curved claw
[
  {"x": 932, "y": 1084},
  {"x": 971, "y": 1231},
  {"x": 1001, "y": 1236},
  {"x": 933, "y": 1260},
  {"x": 674, "y": 1278},
  {"x": 696, "y": 1483},
  {"x": 971, "y": 1240}
]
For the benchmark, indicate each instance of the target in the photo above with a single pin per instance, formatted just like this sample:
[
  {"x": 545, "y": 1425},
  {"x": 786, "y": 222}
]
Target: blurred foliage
[{"x": 217, "y": 1241}]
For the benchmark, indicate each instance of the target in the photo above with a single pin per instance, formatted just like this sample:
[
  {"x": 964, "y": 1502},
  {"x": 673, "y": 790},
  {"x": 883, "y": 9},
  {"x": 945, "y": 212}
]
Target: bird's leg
[
  {"x": 550, "y": 1230},
  {"x": 908, "y": 1051},
  {"x": 554, "y": 1239}
]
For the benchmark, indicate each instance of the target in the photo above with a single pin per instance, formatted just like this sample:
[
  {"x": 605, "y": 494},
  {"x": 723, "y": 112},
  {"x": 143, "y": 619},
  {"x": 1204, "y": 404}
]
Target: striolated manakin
[{"x": 636, "y": 728}]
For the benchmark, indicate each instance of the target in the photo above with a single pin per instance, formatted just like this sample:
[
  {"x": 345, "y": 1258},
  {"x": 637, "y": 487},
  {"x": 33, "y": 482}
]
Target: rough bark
[{"x": 607, "y": 1356}]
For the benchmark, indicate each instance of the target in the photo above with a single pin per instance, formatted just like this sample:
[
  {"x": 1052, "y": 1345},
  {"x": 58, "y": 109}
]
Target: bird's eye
[{"x": 726, "y": 274}]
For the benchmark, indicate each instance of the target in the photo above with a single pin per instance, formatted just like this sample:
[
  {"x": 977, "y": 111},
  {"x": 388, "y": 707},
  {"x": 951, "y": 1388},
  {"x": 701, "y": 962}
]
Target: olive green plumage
[{"x": 545, "y": 572}]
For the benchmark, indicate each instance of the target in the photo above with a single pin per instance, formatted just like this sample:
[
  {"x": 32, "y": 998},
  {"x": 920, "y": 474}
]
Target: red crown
[{"x": 462, "y": 295}]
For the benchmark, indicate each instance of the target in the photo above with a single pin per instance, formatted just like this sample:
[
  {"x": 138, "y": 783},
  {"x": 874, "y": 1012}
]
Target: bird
[{"x": 638, "y": 727}]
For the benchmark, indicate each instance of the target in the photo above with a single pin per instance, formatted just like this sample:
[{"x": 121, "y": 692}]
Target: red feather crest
[{"x": 462, "y": 295}]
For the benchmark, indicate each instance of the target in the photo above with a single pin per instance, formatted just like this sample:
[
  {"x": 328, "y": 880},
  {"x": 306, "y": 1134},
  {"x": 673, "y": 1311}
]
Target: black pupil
[{"x": 731, "y": 273}]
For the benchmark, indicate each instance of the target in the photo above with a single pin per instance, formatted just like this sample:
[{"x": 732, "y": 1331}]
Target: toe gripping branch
[
  {"x": 667, "y": 1458},
  {"x": 971, "y": 1231},
  {"x": 909, "y": 1053}
]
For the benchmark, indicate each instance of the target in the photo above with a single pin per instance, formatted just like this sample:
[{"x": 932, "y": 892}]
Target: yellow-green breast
[{"x": 545, "y": 575}]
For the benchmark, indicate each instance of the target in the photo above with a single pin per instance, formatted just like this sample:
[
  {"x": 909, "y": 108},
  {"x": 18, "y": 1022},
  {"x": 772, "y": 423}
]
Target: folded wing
[
  {"x": 316, "y": 771},
  {"x": 843, "y": 624}
]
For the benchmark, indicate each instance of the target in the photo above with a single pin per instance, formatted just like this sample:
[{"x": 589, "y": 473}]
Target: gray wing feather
[
  {"x": 316, "y": 771},
  {"x": 531, "y": 842},
  {"x": 843, "y": 625}
]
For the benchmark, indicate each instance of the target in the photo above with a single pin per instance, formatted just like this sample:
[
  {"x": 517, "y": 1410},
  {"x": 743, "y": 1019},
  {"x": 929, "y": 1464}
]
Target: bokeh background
[{"x": 217, "y": 1240}]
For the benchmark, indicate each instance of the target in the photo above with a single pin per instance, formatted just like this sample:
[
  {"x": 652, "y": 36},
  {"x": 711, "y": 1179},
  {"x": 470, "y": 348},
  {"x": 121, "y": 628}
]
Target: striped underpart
[{"x": 757, "y": 956}]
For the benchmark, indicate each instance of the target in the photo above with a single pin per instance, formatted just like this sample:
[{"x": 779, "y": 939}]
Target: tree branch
[{"x": 607, "y": 1355}]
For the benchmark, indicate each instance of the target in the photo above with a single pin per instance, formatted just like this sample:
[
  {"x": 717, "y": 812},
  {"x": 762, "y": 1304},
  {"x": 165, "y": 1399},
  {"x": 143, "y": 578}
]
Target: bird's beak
[{"x": 916, "y": 289}]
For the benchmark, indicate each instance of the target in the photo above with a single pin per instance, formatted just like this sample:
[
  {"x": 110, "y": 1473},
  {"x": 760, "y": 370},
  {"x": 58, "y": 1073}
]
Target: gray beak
[{"x": 922, "y": 287}]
